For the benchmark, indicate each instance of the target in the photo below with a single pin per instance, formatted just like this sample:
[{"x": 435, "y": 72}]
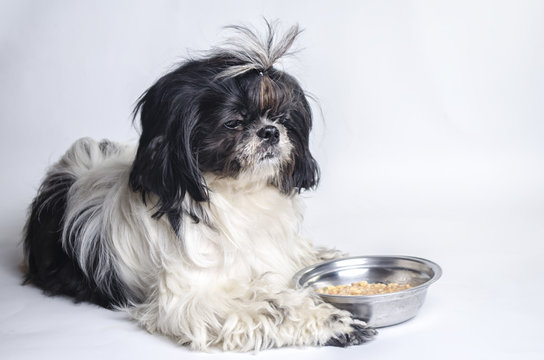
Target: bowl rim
[{"x": 437, "y": 273}]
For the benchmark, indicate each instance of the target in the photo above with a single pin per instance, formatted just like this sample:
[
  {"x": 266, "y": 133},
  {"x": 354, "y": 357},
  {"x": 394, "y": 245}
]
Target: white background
[{"x": 430, "y": 144}]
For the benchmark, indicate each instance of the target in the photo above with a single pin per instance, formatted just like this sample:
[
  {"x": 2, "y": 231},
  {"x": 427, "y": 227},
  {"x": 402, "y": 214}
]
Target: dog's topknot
[{"x": 254, "y": 51}]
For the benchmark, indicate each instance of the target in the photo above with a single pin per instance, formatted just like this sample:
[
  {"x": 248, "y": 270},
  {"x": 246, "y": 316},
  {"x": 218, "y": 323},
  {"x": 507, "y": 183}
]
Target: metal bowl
[{"x": 377, "y": 310}]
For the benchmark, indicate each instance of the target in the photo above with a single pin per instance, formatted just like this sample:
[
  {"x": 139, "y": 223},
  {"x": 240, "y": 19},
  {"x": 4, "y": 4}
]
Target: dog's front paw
[{"x": 358, "y": 332}]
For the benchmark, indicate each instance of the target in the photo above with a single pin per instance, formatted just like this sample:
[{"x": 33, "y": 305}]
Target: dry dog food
[{"x": 363, "y": 288}]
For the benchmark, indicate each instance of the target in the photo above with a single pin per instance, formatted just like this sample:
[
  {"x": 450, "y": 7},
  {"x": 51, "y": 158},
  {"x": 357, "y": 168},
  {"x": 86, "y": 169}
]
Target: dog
[{"x": 195, "y": 233}]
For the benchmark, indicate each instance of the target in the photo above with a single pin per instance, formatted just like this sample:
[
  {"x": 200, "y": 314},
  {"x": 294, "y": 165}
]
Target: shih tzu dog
[{"x": 196, "y": 231}]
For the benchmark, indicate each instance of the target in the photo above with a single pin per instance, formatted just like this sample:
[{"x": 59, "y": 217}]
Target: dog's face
[
  {"x": 227, "y": 115},
  {"x": 252, "y": 126}
]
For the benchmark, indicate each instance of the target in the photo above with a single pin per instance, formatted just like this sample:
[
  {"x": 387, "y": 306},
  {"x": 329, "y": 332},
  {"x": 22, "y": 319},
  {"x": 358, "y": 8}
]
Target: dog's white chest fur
[{"x": 251, "y": 231}]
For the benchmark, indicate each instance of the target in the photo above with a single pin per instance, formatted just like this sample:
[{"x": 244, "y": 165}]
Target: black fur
[
  {"x": 51, "y": 267},
  {"x": 358, "y": 336}
]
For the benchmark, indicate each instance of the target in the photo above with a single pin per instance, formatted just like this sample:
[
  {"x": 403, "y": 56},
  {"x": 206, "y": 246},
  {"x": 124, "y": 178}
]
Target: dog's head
[{"x": 231, "y": 114}]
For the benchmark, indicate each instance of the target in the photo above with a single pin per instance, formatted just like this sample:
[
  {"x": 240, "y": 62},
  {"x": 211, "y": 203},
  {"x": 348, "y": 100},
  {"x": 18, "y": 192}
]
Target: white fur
[
  {"x": 222, "y": 282},
  {"x": 255, "y": 52}
]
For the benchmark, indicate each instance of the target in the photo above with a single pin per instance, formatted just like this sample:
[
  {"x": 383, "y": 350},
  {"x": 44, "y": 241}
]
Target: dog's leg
[
  {"x": 289, "y": 318},
  {"x": 256, "y": 316}
]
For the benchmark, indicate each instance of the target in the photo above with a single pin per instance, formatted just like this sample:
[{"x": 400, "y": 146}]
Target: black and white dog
[{"x": 195, "y": 233}]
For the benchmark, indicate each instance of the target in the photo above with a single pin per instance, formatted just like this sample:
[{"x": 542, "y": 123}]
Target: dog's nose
[{"x": 269, "y": 133}]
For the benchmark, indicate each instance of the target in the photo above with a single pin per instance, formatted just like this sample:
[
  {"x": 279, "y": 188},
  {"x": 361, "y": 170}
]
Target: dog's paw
[{"x": 359, "y": 332}]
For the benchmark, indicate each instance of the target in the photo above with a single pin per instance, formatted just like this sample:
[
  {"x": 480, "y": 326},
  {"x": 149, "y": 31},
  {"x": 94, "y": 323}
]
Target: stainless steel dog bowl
[{"x": 377, "y": 310}]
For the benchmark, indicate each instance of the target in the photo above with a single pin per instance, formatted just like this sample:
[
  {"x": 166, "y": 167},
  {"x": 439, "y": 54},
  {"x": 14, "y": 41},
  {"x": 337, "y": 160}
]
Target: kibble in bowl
[
  {"x": 397, "y": 286},
  {"x": 363, "y": 288}
]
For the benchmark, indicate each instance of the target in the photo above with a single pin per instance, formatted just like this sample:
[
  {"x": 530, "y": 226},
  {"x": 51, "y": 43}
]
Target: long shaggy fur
[{"x": 195, "y": 233}]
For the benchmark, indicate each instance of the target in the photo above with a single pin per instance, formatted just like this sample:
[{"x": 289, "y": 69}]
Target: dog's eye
[
  {"x": 281, "y": 119},
  {"x": 234, "y": 124}
]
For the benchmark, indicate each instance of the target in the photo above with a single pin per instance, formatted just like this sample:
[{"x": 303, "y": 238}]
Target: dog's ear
[
  {"x": 303, "y": 173},
  {"x": 165, "y": 164}
]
